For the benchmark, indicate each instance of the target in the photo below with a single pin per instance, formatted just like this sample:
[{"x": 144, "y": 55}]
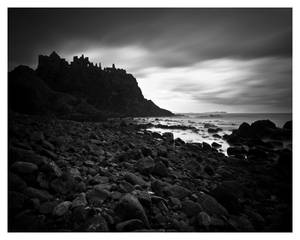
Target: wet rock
[
  {"x": 210, "y": 205},
  {"x": 16, "y": 201},
  {"x": 129, "y": 207},
  {"x": 130, "y": 225},
  {"x": 134, "y": 179},
  {"x": 227, "y": 194},
  {"x": 160, "y": 169},
  {"x": 168, "y": 136},
  {"x": 42, "y": 195},
  {"x": 74, "y": 173},
  {"x": 190, "y": 208},
  {"x": 65, "y": 184},
  {"x": 47, "y": 207},
  {"x": 209, "y": 125},
  {"x": 244, "y": 130},
  {"x": 48, "y": 145},
  {"x": 52, "y": 168},
  {"x": 145, "y": 165},
  {"x": 158, "y": 187},
  {"x": 206, "y": 147},
  {"x": 24, "y": 167},
  {"x": 285, "y": 160},
  {"x": 214, "y": 130},
  {"x": 194, "y": 167},
  {"x": 62, "y": 208},
  {"x": 21, "y": 155},
  {"x": 42, "y": 180},
  {"x": 209, "y": 170},
  {"x": 16, "y": 183},
  {"x": 234, "y": 151},
  {"x": 256, "y": 219},
  {"x": 177, "y": 191},
  {"x": 79, "y": 216},
  {"x": 216, "y": 145},
  {"x": 288, "y": 125},
  {"x": 126, "y": 187},
  {"x": 97, "y": 224},
  {"x": 48, "y": 153},
  {"x": 262, "y": 127},
  {"x": 216, "y": 136},
  {"x": 80, "y": 200},
  {"x": 241, "y": 224},
  {"x": 116, "y": 195},
  {"x": 204, "y": 220},
  {"x": 97, "y": 195},
  {"x": 257, "y": 153},
  {"x": 146, "y": 151},
  {"x": 144, "y": 197}
]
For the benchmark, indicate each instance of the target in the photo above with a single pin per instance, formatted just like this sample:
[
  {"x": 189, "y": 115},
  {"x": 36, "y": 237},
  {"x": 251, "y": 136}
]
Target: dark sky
[{"x": 186, "y": 60}]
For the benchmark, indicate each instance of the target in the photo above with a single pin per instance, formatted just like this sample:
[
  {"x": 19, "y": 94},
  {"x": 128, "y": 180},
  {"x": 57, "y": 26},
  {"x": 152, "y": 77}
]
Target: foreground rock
[{"x": 117, "y": 177}]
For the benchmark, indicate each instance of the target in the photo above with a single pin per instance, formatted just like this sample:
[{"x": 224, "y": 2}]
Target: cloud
[
  {"x": 263, "y": 83},
  {"x": 173, "y": 37},
  {"x": 184, "y": 59}
]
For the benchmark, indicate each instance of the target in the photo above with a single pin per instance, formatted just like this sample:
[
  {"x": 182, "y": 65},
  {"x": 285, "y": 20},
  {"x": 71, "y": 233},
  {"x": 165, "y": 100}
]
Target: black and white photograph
[{"x": 149, "y": 120}]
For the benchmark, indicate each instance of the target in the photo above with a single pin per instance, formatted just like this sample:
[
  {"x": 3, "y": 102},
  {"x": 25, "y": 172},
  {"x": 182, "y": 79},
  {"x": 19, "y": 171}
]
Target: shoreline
[{"x": 87, "y": 176}]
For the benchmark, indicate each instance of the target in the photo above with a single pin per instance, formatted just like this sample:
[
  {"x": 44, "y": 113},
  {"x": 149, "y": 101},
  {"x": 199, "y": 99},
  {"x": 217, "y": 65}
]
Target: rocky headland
[{"x": 80, "y": 90}]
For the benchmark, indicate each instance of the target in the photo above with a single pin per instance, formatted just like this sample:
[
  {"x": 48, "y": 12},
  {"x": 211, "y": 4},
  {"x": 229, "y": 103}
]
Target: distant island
[{"x": 80, "y": 90}]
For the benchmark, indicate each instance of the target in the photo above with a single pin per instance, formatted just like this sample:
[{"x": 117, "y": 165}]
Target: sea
[{"x": 226, "y": 121}]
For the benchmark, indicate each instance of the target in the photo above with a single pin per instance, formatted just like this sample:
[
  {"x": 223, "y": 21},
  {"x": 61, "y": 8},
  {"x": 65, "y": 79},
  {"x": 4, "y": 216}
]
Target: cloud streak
[{"x": 184, "y": 59}]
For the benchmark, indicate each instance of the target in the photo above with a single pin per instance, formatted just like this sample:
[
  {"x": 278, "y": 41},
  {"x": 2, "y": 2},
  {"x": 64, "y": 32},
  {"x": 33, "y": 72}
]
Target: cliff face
[{"x": 111, "y": 91}]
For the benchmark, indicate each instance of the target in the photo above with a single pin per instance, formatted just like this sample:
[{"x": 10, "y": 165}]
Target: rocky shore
[{"x": 86, "y": 176}]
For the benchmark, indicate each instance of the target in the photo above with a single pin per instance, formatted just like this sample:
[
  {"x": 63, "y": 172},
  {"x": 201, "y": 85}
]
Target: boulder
[
  {"x": 134, "y": 179},
  {"x": 216, "y": 145},
  {"x": 21, "y": 155},
  {"x": 228, "y": 194},
  {"x": 129, "y": 207},
  {"x": 288, "y": 125},
  {"x": 97, "y": 195},
  {"x": 190, "y": 208},
  {"x": 16, "y": 183},
  {"x": 62, "y": 208},
  {"x": 96, "y": 224},
  {"x": 42, "y": 195},
  {"x": 52, "y": 169},
  {"x": 236, "y": 151},
  {"x": 168, "y": 136},
  {"x": 194, "y": 167},
  {"x": 160, "y": 169},
  {"x": 16, "y": 201},
  {"x": 158, "y": 187},
  {"x": 203, "y": 220},
  {"x": 145, "y": 165},
  {"x": 206, "y": 147},
  {"x": 210, "y": 205},
  {"x": 80, "y": 200},
  {"x": 24, "y": 167},
  {"x": 47, "y": 207},
  {"x": 177, "y": 191},
  {"x": 262, "y": 128},
  {"x": 146, "y": 151},
  {"x": 244, "y": 130},
  {"x": 130, "y": 225}
]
